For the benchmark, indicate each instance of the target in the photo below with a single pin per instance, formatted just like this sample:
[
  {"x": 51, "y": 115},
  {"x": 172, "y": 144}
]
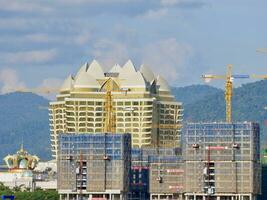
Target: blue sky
[{"x": 42, "y": 42}]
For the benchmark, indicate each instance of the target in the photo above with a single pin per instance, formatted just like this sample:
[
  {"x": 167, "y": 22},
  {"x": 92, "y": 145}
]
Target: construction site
[
  {"x": 122, "y": 100},
  {"x": 94, "y": 166},
  {"x": 222, "y": 161},
  {"x": 119, "y": 135}
]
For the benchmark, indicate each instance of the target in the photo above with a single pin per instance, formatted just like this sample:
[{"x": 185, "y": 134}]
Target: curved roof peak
[
  {"x": 127, "y": 70},
  {"x": 95, "y": 70},
  {"x": 133, "y": 80},
  {"x": 116, "y": 68},
  {"x": 147, "y": 73},
  {"x": 162, "y": 83},
  {"x": 85, "y": 80},
  {"x": 83, "y": 68},
  {"x": 128, "y": 66},
  {"x": 67, "y": 84}
]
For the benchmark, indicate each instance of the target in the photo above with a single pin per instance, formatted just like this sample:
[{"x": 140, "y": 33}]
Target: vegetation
[
  {"x": 38, "y": 194},
  {"x": 23, "y": 116},
  {"x": 249, "y": 101},
  {"x": 194, "y": 93}
]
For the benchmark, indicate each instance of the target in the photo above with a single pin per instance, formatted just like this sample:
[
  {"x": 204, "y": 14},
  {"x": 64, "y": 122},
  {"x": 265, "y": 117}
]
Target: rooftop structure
[
  {"x": 222, "y": 161},
  {"x": 121, "y": 100},
  {"x": 21, "y": 161},
  {"x": 19, "y": 171},
  {"x": 94, "y": 166}
]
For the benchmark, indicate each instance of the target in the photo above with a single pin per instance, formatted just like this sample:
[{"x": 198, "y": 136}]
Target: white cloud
[
  {"x": 110, "y": 52},
  {"x": 82, "y": 39},
  {"x": 10, "y": 81},
  {"x": 38, "y": 37},
  {"x": 51, "y": 83},
  {"x": 169, "y": 2},
  {"x": 156, "y": 14},
  {"x": 168, "y": 58},
  {"x": 37, "y": 56},
  {"x": 25, "y": 6},
  {"x": 184, "y": 3}
]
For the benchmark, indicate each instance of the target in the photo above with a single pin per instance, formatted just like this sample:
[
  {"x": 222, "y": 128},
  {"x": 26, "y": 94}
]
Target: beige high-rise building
[{"x": 140, "y": 103}]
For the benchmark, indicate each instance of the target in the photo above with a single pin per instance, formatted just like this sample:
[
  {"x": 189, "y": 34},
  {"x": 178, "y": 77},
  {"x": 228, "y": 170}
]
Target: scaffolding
[
  {"x": 222, "y": 160},
  {"x": 157, "y": 173},
  {"x": 101, "y": 171}
]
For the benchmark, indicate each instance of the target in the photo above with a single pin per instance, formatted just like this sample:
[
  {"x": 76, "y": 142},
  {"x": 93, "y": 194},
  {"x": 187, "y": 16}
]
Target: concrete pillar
[
  {"x": 204, "y": 197},
  {"x": 68, "y": 196},
  {"x": 218, "y": 198},
  {"x": 195, "y": 197}
]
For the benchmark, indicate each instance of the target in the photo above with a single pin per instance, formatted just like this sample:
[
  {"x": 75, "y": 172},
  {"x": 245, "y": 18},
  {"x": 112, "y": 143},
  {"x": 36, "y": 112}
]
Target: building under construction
[
  {"x": 222, "y": 161},
  {"x": 122, "y": 100},
  {"x": 157, "y": 173},
  {"x": 94, "y": 166}
]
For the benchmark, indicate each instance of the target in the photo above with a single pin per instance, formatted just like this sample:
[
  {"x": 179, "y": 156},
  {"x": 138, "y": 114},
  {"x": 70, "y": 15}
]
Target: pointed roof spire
[
  {"x": 85, "y": 80},
  {"x": 83, "y": 68},
  {"x": 147, "y": 73},
  {"x": 127, "y": 70},
  {"x": 133, "y": 80},
  {"x": 116, "y": 68},
  {"x": 22, "y": 147},
  {"x": 95, "y": 70},
  {"x": 128, "y": 66},
  {"x": 162, "y": 83},
  {"x": 67, "y": 84}
]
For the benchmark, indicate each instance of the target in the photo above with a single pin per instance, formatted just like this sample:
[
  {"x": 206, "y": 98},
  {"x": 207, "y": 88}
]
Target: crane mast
[
  {"x": 229, "y": 77},
  {"x": 110, "y": 124},
  {"x": 229, "y": 93}
]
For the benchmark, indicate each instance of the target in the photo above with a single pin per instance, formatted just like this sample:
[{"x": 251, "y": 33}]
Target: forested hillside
[
  {"x": 24, "y": 116},
  {"x": 249, "y": 101}
]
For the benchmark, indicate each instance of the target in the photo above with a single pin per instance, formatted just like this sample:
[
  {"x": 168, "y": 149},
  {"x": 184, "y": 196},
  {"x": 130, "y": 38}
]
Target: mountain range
[{"x": 24, "y": 116}]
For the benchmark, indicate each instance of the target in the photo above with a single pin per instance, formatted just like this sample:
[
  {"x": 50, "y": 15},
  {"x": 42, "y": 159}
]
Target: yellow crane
[
  {"x": 229, "y": 77},
  {"x": 228, "y": 89}
]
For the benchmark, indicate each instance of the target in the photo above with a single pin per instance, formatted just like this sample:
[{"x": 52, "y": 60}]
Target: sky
[{"x": 42, "y": 42}]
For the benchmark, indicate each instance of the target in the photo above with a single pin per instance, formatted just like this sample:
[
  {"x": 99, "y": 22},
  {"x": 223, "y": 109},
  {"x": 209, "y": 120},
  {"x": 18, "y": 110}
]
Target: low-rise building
[{"x": 19, "y": 170}]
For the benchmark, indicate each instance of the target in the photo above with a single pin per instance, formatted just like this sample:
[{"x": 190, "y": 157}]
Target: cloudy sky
[{"x": 42, "y": 42}]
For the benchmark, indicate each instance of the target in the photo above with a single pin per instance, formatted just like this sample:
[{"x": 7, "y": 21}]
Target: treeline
[{"x": 20, "y": 194}]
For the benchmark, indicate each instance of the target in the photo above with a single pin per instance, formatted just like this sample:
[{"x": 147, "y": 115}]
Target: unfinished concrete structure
[
  {"x": 94, "y": 166},
  {"x": 166, "y": 176},
  {"x": 157, "y": 173},
  {"x": 222, "y": 161}
]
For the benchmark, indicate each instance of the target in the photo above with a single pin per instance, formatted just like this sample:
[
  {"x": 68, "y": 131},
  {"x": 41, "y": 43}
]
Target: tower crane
[
  {"x": 109, "y": 120},
  {"x": 229, "y": 77}
]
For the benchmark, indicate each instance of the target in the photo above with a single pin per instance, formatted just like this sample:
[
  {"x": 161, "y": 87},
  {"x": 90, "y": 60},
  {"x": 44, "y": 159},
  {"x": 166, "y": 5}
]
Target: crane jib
[{"x": 240, "y": 76}]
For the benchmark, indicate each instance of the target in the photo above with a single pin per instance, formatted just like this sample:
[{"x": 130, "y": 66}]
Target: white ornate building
[{"x": 142, "y": 104}]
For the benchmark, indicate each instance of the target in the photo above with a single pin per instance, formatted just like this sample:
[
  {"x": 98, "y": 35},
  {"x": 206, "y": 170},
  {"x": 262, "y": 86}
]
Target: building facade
[
  {"x": 135, "y": 101},
  {"x": 157, "y": 173},
  {"x": 222, "y": 161},
  {"x": 94, "y": 166}
]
